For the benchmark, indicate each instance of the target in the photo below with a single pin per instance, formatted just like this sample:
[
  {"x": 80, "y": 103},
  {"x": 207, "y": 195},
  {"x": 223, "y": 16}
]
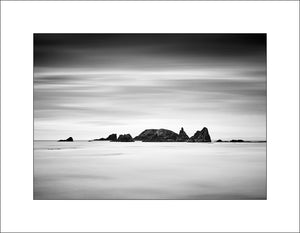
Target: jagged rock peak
[
  {"x": 201, "y": 136},
  {"x": 182, "y": 137}
]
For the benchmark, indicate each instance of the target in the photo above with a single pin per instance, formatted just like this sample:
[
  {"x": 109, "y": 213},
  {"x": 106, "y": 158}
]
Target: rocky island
[
  {"x": 114, "y": 138},
  {"x": 157, "y": 135},
  {"x": 240, "y": 141},
  {"x": 69, "y": 139},
  {"x": 160, "y": 135},
  {"x": 165, "y": 135},
  {"x": 125, "y": 138}
]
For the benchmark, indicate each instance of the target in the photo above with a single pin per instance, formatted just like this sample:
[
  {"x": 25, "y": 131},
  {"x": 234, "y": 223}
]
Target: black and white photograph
[{"x": 150, "y": 116}]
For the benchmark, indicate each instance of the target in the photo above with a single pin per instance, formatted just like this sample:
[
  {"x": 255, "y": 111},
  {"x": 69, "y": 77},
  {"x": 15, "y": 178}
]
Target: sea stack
[
  {"x": 112, "y": 137},
  {"x": 201, "y": 136},
  {"x": 182, "y": 137},
  {"x": 157, "y": 135},
  {"x": 69, "y": 139},
  {"x": 125, "y": 138}
]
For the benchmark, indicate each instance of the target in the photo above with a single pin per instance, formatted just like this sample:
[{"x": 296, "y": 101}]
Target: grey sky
[{"x": 90, "y": 85}]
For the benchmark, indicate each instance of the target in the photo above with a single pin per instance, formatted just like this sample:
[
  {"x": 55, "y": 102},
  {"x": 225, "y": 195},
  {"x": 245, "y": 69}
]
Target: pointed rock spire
[{"x": 182, "y": 137}]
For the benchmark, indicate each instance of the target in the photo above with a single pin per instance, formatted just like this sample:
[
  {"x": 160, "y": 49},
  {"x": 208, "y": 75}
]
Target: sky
[{"x": 91, "y": 85}]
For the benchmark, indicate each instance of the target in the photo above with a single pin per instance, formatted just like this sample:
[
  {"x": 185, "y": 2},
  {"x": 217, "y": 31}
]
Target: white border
[{"x": 19, "y": 20}]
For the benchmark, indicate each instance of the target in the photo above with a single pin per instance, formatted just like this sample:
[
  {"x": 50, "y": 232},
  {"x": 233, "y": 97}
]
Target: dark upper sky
[
  {"x": 72, "y": 50},
  {"x": 93, "y": 84}
]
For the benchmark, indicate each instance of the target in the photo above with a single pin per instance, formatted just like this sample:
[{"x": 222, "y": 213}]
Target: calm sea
[{"x": 137, "y": 170}]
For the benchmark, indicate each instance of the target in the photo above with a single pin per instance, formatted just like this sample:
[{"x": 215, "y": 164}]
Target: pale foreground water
[{"x": 137, "y": 170}]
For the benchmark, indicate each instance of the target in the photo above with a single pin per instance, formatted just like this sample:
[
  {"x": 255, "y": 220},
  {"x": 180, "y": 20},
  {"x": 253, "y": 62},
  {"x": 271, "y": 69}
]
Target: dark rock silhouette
[
  {"x": 146, "y": 134},
  {"x": 157, "y": 135},
  {"x": 160, "y": 135},
  {"x": 237, "y": 140},
  {"x": 69, "y": 139},
  {"x": 112, "y": 138},
  {"x": 182, "y": 137},
  {"x": 125, "y": 138},
  {"x": 100, "y": 139},
  {"x": 200, "y": 136}
]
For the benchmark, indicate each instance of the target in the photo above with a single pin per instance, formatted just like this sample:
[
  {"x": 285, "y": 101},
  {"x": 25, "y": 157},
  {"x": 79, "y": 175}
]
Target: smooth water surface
[{"x": 137, "y": 170}]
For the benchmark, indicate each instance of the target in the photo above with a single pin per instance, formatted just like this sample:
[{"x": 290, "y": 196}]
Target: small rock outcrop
[
  {"x": 125, "y": 138},
  {"x": 157, "y": 135},
  {"x": 100, "y": 139},
  {"x": 237, "y": 140},
  {"x": 112, "y": 138},
  {"x": 201, "y": 136},
  {"x": 182, "y": 137},
  {"x": 69, "y": 139}
]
